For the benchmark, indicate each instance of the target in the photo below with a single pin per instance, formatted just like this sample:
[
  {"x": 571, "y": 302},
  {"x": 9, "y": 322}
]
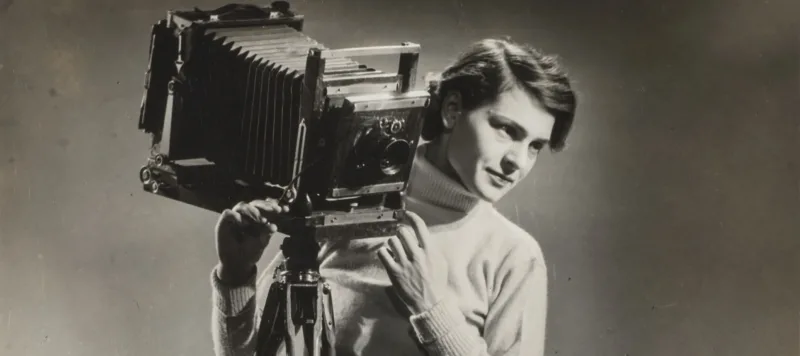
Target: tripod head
[{"x": 307, "y": 229}]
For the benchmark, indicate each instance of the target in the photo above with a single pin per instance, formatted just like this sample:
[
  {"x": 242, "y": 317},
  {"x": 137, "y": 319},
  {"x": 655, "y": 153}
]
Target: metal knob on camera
[{"x": 148, "y": 177}]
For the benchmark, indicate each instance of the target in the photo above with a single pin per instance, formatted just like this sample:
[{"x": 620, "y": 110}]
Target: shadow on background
[{"x": 670, "y": 224}]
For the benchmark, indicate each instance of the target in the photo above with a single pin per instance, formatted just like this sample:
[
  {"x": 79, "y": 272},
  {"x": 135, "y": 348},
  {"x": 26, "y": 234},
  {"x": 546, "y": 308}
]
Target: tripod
[{"x": 298, "y": 301}]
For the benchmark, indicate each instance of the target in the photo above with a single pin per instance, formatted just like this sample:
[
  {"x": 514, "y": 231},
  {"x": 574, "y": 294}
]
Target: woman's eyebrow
[
  {"x": 517, "y": 126},
  {"x": 509, "y": 120}
]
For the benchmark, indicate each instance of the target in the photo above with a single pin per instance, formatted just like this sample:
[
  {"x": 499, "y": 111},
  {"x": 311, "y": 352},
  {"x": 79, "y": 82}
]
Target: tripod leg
[
  {"x": 278, "y": 324},
  {"x": 328, "y": 323},
  {"x": 299, "y": 302},
  {"x": 270, "y": 333},
  {"x": 317, "y": 334},
  {"x": 289, "y": 326},
  {"x": 319, "y": 319}
]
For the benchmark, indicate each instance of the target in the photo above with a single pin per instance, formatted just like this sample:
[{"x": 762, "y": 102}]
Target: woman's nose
[{"x": 511, "y": 163}]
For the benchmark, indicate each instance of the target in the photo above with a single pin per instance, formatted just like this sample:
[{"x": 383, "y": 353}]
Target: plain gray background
[{"x": 670, "y": 224}]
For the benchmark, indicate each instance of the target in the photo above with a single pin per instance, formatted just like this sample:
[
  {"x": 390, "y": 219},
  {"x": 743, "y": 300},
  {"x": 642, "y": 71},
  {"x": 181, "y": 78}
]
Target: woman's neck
[
  {"x": 430, "y": 184},
  {"x": 436, "y": 154}
]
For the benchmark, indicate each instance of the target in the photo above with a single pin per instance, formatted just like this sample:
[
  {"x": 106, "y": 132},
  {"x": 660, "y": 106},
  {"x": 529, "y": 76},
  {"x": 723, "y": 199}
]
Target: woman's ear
[{"x": 451, "y": 109}]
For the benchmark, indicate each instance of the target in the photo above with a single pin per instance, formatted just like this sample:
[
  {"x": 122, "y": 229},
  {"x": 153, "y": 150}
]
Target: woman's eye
[
  {"x": 536, "y": 146},
  {"x": 505, "y": 129}
]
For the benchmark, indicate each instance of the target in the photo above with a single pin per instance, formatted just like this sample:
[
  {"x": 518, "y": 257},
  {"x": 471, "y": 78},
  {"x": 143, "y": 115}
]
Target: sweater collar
[{"x": 431, "y": 185}]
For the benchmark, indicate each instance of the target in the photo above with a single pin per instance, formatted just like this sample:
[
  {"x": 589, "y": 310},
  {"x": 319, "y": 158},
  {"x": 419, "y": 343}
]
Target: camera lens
[
  {"x": 389, "y": 154},
  {"x": 394, "y": 155}
]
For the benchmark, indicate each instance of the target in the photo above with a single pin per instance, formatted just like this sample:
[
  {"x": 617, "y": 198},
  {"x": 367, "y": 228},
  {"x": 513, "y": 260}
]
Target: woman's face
[{"x": 493, "y": 147}]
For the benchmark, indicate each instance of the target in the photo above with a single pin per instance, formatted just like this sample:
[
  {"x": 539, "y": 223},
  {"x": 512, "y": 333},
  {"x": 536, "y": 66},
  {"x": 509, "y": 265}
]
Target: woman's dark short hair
[{"x": 492, "y": 66}]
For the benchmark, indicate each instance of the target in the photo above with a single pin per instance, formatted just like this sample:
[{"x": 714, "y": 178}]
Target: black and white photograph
[{"x": 358, "y": 178}]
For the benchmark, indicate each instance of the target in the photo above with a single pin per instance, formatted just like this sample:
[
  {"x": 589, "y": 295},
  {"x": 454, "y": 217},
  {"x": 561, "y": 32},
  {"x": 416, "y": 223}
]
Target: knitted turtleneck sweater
[{"x": 497, "y": 279}]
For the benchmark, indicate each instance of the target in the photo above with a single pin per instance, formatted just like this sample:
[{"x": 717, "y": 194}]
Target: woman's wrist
[
  {"x": 234, "y": 276},
  {"x": 428, "y": 303}
]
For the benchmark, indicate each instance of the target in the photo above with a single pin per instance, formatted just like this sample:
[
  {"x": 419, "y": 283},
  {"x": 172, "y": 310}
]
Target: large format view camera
[{"x": 242, "y": 105}]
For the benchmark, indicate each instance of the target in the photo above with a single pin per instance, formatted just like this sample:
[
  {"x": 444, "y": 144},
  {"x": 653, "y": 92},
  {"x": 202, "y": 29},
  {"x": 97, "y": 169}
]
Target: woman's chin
[{"x": 489, "y": 193}]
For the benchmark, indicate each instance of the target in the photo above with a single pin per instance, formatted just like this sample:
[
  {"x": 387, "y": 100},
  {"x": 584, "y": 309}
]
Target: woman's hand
[
  {"x": 242, "y": 234},
  {"x": 416, "y": 268}
]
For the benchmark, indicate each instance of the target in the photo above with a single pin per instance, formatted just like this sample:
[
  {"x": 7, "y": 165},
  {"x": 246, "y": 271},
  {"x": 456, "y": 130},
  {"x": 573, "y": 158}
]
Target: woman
[{"x": 463, "y": 279}]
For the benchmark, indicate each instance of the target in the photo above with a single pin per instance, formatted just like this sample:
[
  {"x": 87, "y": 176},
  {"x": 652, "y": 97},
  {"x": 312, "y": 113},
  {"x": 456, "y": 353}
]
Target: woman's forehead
[
  {"x": 523, "y": 109},
  {"x": 517, "y": 104}
]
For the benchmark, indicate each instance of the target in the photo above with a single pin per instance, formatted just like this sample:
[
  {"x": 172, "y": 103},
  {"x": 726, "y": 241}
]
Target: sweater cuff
[
  {"x": 440, "y": 328},
  {"x": 231, "y": 300}
]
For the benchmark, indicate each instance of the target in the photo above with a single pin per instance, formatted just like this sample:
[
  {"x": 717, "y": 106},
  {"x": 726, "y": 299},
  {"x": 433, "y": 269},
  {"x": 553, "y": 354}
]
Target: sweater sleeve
[
  {"x": 236, "y": 311},
  {"x": 515, "y": 323}
]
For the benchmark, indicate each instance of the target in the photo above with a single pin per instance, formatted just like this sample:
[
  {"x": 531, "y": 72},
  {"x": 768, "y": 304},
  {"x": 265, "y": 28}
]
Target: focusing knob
[
  {"x": 160, "y": 160},
  {"x": 145, "y": 174},
  {"x": 396, "y": 126}
]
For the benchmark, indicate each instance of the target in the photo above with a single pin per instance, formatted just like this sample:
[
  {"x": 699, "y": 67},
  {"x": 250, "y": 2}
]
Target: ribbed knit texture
[
  {"x": 234, "y": 299},
  {"x": 432, "y": 187},
  {"x": 496, "y": 300}
]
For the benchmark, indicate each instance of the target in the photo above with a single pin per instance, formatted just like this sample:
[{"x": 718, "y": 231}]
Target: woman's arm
[
  {"x": 515, "y": 324},
  {"x": 233, "y": 316},
  {"x": 236, "y": 311}
]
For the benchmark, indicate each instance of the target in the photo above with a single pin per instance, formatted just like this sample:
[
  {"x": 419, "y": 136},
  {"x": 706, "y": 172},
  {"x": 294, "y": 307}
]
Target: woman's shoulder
[{"x": 519, "y": 243}]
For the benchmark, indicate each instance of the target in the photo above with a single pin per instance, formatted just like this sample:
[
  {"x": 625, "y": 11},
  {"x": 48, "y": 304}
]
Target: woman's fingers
[
  {"x": 407, "y": 238},
  {"x": 269, "y": 207},
  {"x": 266, "y": 205},
  {"x": 247, "y": 212},
  {"x": 419, "y": 227},
  {"x": 259, "y": 211},
  {"x": 397, "y": 249},
  {"x": 386, "y": 258},
  {"x": 230, "y": 215}
]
